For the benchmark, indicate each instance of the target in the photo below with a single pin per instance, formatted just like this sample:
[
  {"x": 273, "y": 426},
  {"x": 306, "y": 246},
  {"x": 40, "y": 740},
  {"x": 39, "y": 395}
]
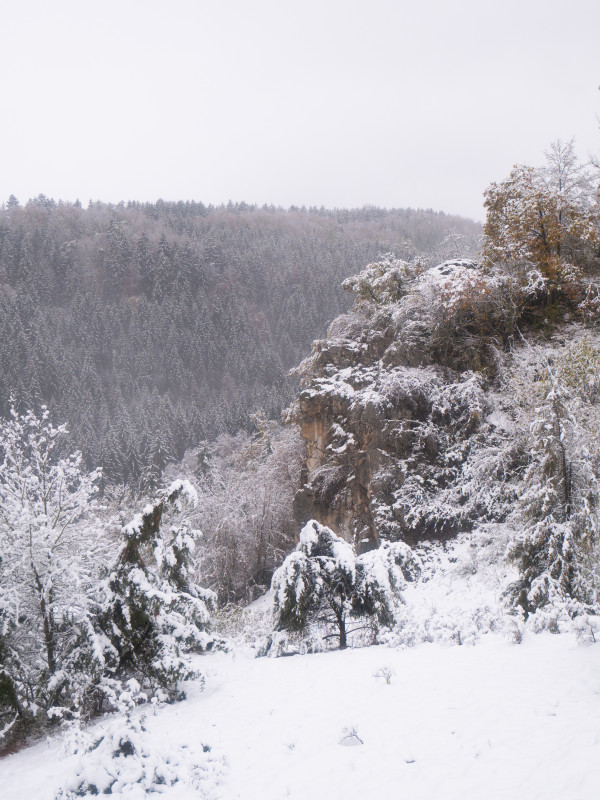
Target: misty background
[{"x": 340, "y": 104}]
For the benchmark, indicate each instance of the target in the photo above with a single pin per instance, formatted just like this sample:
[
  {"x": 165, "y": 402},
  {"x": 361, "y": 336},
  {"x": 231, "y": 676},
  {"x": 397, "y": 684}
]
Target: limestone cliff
[{"x": 394, "y": 407}]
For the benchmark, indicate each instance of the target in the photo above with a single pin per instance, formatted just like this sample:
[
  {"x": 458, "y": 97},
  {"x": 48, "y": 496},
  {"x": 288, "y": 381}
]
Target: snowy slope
[{"x": 494, "y": 720}]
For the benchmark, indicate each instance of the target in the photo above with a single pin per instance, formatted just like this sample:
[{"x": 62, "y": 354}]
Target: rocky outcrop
[{"x": 399, "y": 444}]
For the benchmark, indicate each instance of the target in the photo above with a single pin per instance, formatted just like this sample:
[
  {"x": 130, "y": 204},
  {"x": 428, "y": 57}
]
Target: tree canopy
[
  {"x": 323, "y": 581},
  {"x": 546, "y": 217}
]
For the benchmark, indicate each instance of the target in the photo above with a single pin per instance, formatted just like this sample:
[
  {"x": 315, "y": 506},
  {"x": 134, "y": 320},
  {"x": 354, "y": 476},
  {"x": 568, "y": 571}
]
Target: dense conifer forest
[{"x": 148, "y": 328}]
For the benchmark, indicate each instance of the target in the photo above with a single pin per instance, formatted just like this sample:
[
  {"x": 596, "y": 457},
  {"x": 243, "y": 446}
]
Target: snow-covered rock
[{"x": 402, "y": 439}]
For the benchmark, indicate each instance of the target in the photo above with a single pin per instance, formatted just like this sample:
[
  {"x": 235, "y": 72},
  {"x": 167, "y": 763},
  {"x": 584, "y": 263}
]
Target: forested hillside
[
  {"x": 447, "y": 487},
  {"x": 150, "y": 327}
]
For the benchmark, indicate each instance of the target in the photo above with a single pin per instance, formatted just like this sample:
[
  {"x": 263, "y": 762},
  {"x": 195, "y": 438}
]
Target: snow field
[{"x": 495, "y": 720}]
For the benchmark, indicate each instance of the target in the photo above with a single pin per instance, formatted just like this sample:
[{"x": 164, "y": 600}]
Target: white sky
[{"x": 312, "y": 102}]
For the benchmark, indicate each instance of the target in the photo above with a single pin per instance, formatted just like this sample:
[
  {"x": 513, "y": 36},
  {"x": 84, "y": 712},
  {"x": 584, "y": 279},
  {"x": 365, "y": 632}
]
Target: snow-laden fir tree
[
  {"x": 150, "y": 614},
  {"x": 323, "y": 581},
  {"x": 557, "y": 548}
]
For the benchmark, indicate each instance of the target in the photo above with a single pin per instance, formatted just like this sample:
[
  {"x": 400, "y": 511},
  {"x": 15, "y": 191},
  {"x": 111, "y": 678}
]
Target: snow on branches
[
  {"x": 150, "y": 612},
  {"x": 543, "y": 225},
  {"x": 323, "y": 581},
  {"x": 556, "y": 548},
  {"x": 73, "y": 630},
  {"x": 382, "y": 282},
  {"x": 51, "y": 546}
]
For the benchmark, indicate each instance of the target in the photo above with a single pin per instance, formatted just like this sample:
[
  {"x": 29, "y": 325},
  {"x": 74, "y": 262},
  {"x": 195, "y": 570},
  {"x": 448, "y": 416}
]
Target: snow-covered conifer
[
  {"x": 324, "y": 581},
  {"x": 560, "y": 504},
  {"x": 151, "y": 615}
]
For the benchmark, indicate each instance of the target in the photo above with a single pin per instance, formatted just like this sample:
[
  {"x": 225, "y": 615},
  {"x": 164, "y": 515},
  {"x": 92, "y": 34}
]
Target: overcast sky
[{"x": 337, "y": 102}]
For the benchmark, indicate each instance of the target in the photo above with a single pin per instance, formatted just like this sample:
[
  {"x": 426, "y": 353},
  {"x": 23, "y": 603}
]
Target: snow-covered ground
[
  {"x": 491, "y": 720},
  {"x": 478, "y": 707}
]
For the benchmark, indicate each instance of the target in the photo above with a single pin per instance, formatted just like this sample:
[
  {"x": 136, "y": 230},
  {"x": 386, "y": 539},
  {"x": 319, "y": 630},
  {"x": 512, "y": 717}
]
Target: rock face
[{"x": 394, "y": 416}]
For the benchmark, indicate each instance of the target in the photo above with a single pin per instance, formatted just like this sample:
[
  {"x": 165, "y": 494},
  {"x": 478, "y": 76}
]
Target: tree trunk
[
  {"x": 342, "y": 629},
  {"x": 46, "y": 614}
]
